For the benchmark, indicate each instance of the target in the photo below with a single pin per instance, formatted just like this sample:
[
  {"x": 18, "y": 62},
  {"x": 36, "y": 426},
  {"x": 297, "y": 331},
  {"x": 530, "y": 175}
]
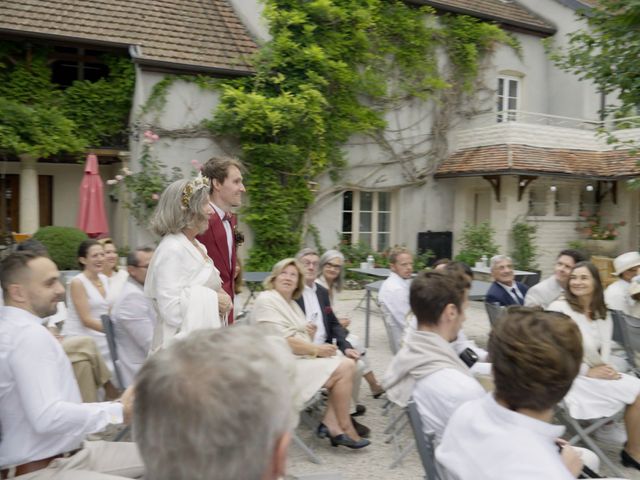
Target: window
[
  {"x": 366, "y": 218},
  {"x": 73, "y": 64},
  {"x": 508, "y": 95},
  {"x": 538, "y": 200}
]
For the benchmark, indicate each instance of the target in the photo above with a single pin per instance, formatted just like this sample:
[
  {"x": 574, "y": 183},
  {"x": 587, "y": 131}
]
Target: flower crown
[{"x": 192, "y": 187}]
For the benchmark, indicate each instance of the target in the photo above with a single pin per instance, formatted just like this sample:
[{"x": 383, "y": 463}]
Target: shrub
[
  {"x": 476, "y": 240},
  {"x": 62, "y": 243},
  {"x": 524, "y": 248}
]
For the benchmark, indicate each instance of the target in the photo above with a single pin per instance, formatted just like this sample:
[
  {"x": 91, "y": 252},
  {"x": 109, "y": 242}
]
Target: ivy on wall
[
  {"x": 40, "y": 119},
  {"x": 332, "y": 69}
]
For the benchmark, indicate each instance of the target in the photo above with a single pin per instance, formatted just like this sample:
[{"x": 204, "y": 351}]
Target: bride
[{"x": 182, "y": 280}]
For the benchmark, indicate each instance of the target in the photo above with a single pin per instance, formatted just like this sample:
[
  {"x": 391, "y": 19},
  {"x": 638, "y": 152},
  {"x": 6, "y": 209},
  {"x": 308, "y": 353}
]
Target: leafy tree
[
  {"x": 476, "y": 241},
  {"x": 607, "y": 51}
]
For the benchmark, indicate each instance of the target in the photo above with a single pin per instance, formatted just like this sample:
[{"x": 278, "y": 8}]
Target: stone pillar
[{"x": 29, "y": 195}]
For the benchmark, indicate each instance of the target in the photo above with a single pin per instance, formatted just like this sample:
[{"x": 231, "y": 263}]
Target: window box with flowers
[
  {"x": 139, "y": 191},
  {"x": 600, "y": 238}
]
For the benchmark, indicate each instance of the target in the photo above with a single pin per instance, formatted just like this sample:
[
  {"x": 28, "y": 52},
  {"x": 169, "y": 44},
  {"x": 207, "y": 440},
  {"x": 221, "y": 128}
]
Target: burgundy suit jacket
[{"x": 215, "y": 239}]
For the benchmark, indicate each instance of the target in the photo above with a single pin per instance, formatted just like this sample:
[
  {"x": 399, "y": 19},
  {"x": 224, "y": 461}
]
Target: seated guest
[
  {"x": 440, "y": 264},
  {"x": 508, "y": 434},
  {"x": 617, "y": 296},
  {"x": 427, "y": 366},
  {"x": 394, "y": 291},
  {"x": 116, "y": 275},
  {"x": 87, "y": 298},
  {"x": 89, "y": 368},
  {"x": 43, "y": 420},
  {"x": 504, "y": 290},
  {"x": 317, "y": 365},
  {"x": 133, "y": 317},
  {"x": 232, "y": 423},
  {"x": 548, "y": 290},
  {"x": 600, "y": 390},
  {"x": 331, "y": 277}
]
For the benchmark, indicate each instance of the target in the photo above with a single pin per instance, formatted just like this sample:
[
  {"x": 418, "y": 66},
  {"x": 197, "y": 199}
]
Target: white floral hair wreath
[{"x": 193, "y": 186}]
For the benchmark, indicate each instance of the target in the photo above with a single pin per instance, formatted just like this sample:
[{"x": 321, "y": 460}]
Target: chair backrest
[
  {"x": 494, "y": 311},
  {"x": 107, "y": 326},
  {"x": 394, "y": 336},
  {"x": 628, "y": 328},
  {"x": 424, "y": 442}
]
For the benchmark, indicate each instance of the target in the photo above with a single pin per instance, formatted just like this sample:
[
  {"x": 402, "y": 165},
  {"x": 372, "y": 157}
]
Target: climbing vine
[
  {"x": 40, "y": 119},
  {"x": 333, "y": 69}
]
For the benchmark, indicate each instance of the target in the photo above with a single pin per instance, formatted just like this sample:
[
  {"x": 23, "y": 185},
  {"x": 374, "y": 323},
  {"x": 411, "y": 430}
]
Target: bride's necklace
[{"x": 96, "y": 282}]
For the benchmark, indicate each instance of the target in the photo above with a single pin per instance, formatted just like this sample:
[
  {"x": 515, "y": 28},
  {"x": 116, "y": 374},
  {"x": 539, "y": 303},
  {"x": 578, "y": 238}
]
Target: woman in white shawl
[
  {"x": 182, "y": 281},
  {"x": 276, "y": 311}
]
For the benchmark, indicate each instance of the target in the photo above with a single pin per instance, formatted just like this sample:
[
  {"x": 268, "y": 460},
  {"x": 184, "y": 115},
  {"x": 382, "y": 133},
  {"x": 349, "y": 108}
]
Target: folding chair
[
  {"x": 582, "y": 434},
  {"x": 494, "y": 311},
  {"x": 626, "y": 331},
  {"x": 394, "y": 335},
  {"x": 107, "y": 326},
  {"x": 424, "y": 442},
  {"x": 309, "y": 416}
]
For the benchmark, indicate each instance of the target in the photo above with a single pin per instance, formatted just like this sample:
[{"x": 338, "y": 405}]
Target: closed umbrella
[{"x": 91, "y": 214}]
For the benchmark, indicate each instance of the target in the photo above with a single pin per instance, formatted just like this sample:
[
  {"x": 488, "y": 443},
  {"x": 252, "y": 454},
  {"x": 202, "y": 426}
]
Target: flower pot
[{"x": 605, "y": 248}]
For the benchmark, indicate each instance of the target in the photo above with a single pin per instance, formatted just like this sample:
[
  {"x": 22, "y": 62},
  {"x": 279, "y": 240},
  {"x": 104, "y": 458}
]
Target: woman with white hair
[
  {"x": 331, "y": 276},
  {"x": 182, "y": 280}
]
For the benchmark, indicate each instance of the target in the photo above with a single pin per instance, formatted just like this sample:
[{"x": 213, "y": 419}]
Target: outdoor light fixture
[
  {"x": 553, "y": 188},
  {"x": 589, "y": 188}
]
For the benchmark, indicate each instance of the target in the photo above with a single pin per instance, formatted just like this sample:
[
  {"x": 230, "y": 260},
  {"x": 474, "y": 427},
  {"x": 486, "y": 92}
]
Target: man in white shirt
[
  {"x": 504, "y": 290},
  {"x": 134, "y": 317},
  {"x": 617, "y": 296},
  {"x": 394, "y": 292},
  {"x": 44, "y": 421},
  {"x": 508, "y": 435},
  {"x": 427, "y": 367},
  {"x": 548, "y": 290}
]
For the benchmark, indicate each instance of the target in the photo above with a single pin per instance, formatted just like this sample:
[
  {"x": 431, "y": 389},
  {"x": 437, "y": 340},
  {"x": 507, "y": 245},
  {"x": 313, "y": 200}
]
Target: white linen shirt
[
  {"x": 543, "y": 293},
  {"x": 486, "y": 441},
  {"x": 41, "y": 410},
  {"x": 440, "y": 394},
  {"x": 617, "y": 297},
  {"x": 394, "y": 294},
  {"x": 313, "y": 313}
]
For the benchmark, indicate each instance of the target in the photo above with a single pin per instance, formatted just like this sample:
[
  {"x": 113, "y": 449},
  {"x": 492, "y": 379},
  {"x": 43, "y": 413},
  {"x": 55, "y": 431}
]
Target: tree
[{"x": 607, "y": 52}]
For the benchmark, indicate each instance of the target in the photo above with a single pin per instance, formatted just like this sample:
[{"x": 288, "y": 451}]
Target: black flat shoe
[
  {"x": 360, "y": 410},
  {"x": 361, "y": 429},
  {"x": 378, "y": 394},
  {"x": 346, "y": 441},
  {"x": 322, "y": 431},
  {"x": 628, "y": 460}
]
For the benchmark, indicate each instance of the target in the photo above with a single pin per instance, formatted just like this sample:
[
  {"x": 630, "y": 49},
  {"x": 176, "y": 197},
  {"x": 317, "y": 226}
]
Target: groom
[{"x": 225, "y": 174}]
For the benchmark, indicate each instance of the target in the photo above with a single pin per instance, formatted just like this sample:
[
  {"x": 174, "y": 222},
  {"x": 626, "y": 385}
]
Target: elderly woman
[
  {"x": 317, "y": 366},
  {"x": 182, "y": 280},
  {"x": 331, "y": 276},
  {"x": 117, "y": 276},
  {"x": 599, "y": 390}
]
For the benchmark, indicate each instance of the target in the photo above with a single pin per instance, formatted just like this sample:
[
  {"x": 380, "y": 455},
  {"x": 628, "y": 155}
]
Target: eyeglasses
[{"x": 333, "y": 265}]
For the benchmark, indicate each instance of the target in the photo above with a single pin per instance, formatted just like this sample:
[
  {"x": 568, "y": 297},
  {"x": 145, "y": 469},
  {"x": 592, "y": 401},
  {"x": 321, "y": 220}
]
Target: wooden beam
[
  {"x": 494, "y": 180},
  {"x": 523, "y": 182}
]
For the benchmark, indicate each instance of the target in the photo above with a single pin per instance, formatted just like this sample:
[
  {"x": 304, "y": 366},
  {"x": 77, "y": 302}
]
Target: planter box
[{"x": 604, "y": 248}]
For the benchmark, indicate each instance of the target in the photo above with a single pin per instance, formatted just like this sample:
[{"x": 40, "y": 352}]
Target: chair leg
[
  {"x": 306, "y": 449},
  {"x": 588, "y": 441}
]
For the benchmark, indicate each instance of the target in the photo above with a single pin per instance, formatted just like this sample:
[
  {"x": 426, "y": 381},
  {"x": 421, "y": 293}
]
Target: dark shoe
[
  {"x": 360, "y": 410},
  {"x": 628, "y": 460},
  {"x": 322, "y": 431},
  {"x": 379, "y": 393},
  {"x": 346, "y": 441},
  {"x": 362, "y": 430}
]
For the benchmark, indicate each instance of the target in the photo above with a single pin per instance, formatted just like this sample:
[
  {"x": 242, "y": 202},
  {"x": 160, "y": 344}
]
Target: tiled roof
[
  {"x": 508, "y": 159},
  {"x": 507, "y": 12},
  {"x": 190, "y": 33}
]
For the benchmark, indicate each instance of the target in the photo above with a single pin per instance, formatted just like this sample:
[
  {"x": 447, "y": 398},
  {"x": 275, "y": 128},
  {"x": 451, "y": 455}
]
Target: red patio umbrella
[{"x": 91, "y": 215}]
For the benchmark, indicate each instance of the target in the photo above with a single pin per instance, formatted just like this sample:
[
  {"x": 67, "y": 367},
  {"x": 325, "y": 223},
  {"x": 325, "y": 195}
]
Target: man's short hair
[
  {"x": 395, "y": 252},
  {"x": 217, "y": 168},
  {"x": 498, "y": 258},
  {"x": 132, "y": 258},
  {"x": 536, "y": 355},
  {"x": 213, "y": 406},
  {"x": 577, "y": 255},
  {"x": 430, "y": 293},
  {"x": 460, "y": 272},
  {"x": 14, "y": 268},
  {"x": 33, "y": 245},
  {"x": 306, "y": 251}
]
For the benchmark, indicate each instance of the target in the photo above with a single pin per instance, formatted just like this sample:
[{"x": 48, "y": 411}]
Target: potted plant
[{"x": 599, "y": 238}]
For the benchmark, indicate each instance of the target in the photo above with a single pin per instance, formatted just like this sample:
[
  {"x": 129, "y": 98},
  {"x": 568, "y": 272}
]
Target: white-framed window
[
  {"x": 366, "y": 218},
  {"x": 507, "y": 98}
]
